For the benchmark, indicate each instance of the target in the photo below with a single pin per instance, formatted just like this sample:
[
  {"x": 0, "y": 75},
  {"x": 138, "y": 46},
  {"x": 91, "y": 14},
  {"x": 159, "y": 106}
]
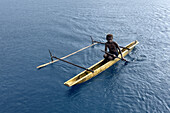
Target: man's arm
[
  {"x": 105, "y": 47},
  {"x": 99, "y": 42},
  {"x": 119, "y": 50}
]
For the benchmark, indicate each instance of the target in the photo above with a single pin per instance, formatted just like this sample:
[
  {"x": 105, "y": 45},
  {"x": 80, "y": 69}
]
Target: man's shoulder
[
  {"x": 111, "y": 43},
  {"x": 115, "y": 43},
  {"x": 106, "y": 43}
]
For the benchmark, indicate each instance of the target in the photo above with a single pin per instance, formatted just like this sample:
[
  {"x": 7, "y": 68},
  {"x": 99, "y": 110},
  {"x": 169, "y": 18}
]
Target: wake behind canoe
[{"x": 98, "y": 67}]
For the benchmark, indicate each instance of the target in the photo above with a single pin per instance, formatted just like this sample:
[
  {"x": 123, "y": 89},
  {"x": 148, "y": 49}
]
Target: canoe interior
[{"x": 78, "y": 78}]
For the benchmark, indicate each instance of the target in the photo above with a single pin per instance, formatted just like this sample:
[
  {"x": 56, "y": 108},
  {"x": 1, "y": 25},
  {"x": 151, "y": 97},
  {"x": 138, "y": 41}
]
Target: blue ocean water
[{"x": 28, "y": 28}]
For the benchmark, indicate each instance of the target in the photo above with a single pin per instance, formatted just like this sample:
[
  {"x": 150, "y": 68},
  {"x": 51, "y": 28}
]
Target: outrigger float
[{"x": 95, "y": 69}]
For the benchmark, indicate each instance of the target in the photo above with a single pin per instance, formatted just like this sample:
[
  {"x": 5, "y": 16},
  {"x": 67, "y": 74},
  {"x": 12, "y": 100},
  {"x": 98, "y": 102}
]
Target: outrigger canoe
[{"x": 99, "y": 67}]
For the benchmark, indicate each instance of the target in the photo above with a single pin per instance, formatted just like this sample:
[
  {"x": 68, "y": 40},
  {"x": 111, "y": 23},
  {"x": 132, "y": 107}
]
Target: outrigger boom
[
  {"x": 43, "y": 65},
  {"x": 93, "y": 43},
  {"x": 69, "y": 62}
]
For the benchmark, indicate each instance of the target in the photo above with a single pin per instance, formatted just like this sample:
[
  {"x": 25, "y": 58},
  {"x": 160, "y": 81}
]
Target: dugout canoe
[{"x": 98, "y": 67}]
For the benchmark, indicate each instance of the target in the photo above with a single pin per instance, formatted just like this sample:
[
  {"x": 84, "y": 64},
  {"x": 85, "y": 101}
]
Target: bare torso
[{"x": 113, "y": 47}]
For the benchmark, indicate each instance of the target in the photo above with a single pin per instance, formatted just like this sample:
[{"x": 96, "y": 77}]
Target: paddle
[
  {"x": 114, "y": 56},
  {"x": 69, "y": 62},
  {"x": 104, "y": 43}
]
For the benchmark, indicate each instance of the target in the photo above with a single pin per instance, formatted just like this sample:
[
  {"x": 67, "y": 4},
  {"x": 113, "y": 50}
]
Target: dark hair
[{"x": 109, "y": 37}]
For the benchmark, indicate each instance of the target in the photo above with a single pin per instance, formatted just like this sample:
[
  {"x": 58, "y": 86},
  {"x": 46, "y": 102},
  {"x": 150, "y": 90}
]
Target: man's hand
[{"x": 124, "y": 59}]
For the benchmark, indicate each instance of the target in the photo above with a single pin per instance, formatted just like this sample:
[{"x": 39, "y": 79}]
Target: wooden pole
[
  {"x": 72, "y": 64},
  {"x": 43, "y": 65}
]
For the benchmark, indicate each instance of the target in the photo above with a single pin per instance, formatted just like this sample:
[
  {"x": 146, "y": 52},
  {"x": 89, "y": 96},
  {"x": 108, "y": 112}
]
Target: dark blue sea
[{"x": 28, "y": 28}]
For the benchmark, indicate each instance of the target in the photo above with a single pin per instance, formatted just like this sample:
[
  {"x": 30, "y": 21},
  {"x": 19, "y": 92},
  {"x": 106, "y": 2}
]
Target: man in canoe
[{"x": 113, "y": 49}]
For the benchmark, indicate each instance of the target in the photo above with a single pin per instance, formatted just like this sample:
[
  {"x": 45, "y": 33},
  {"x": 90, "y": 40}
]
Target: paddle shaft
[{"x": 72, "y": 64}]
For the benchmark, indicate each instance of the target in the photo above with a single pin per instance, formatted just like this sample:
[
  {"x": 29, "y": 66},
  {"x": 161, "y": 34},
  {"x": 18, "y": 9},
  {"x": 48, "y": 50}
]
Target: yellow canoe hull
[{"x": 98, "y": 67}]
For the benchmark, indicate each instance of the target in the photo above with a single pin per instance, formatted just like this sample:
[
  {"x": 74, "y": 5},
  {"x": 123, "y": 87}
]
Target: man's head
[{"x": 109, "y": 37}]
